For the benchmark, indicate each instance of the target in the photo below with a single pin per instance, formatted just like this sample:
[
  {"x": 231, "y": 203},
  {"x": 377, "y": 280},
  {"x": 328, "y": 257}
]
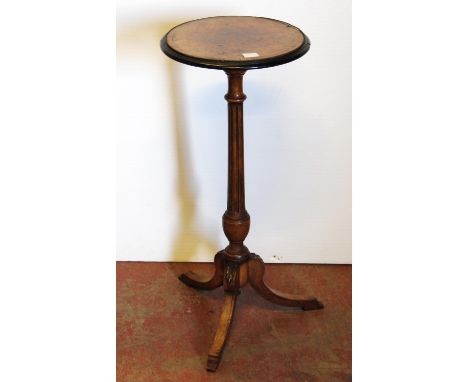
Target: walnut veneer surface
[{"x": 225, "y": 42}]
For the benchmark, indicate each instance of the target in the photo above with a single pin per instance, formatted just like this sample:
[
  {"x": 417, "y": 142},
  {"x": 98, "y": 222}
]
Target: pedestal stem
[
  {"x": 236, "y": 220},
  {"x": 235, "y": 265}
]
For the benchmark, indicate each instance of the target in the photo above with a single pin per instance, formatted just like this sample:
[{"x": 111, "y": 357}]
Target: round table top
[{"x": 235, "y": 42}]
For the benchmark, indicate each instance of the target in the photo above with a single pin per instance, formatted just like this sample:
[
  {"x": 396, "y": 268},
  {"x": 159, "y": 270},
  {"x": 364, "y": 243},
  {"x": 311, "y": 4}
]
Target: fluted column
[{"x": 236, "y": 220}]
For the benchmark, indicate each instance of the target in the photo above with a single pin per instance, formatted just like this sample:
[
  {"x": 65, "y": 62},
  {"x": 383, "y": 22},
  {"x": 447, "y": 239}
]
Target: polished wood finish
[
  {"x": 219, "y": 43},
  {"x": 235, "y": 38},
  {"x": 213, "y": 282},
  {"x": 235, "y": 265},
  {"x": 235, "y": 42},
  {"x": 236, "y": 275},
  {"x": 227, "y": 314},
  {"x": 256, "y": 273},
  {"x": 236, "y": 220}
]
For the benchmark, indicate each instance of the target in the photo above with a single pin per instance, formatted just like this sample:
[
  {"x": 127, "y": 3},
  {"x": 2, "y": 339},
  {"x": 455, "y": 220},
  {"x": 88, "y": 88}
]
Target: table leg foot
[
  {"x": 227, "y": 312},
  {"x": 256, "y": 273},
  {"x": 212, "y": 364},
  {"x": 207, "y": 283}
]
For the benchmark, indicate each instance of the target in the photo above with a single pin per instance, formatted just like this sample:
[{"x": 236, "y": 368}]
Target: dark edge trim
[{"x": 223, "y": 65}]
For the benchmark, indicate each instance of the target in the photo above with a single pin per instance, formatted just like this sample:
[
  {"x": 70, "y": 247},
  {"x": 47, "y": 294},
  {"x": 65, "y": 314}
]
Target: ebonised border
[{"x": 225, "y": 65}]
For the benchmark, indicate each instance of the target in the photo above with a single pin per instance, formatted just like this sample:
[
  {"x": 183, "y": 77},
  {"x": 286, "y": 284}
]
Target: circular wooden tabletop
[{"x": 235, "y": 42}]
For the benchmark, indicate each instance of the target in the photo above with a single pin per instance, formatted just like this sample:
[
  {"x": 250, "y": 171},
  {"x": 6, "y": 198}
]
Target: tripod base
[{"x": 233, "y": 275}]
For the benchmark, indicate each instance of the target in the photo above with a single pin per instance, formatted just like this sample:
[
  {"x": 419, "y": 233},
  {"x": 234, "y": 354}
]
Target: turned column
[
  {"x": 236, "y": 220},
  {"x": 236, "y": 44}
]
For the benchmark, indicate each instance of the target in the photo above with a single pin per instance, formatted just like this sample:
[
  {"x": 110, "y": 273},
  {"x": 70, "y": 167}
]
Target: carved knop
[{"x": 235, "y": 92}]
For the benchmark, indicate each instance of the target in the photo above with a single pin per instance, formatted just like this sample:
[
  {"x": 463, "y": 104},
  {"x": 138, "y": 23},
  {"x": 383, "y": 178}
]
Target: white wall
[{"x": 172, "y": 139}]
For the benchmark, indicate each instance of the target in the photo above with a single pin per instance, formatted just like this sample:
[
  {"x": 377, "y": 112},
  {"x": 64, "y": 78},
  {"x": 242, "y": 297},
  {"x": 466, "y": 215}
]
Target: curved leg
[
  {"x": 193, "y": 280},
  {"x": 227, "y": 312},
  {"x": 256, "y": 272}
]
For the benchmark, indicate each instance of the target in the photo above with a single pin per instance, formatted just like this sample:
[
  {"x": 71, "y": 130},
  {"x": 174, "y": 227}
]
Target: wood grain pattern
[
  {"x": 234, "y": 44},
  {"x": 236, "y": 220},
  {"x": 199, "y": 282},
  {"x": 235, "y": 38},
  {"x": 227, "y": 314},
  {"x": 256, "y": 274}
]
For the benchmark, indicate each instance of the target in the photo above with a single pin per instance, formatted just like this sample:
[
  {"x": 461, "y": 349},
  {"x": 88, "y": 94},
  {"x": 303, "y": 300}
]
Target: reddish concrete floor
[{"x": 164, "y": 328}]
